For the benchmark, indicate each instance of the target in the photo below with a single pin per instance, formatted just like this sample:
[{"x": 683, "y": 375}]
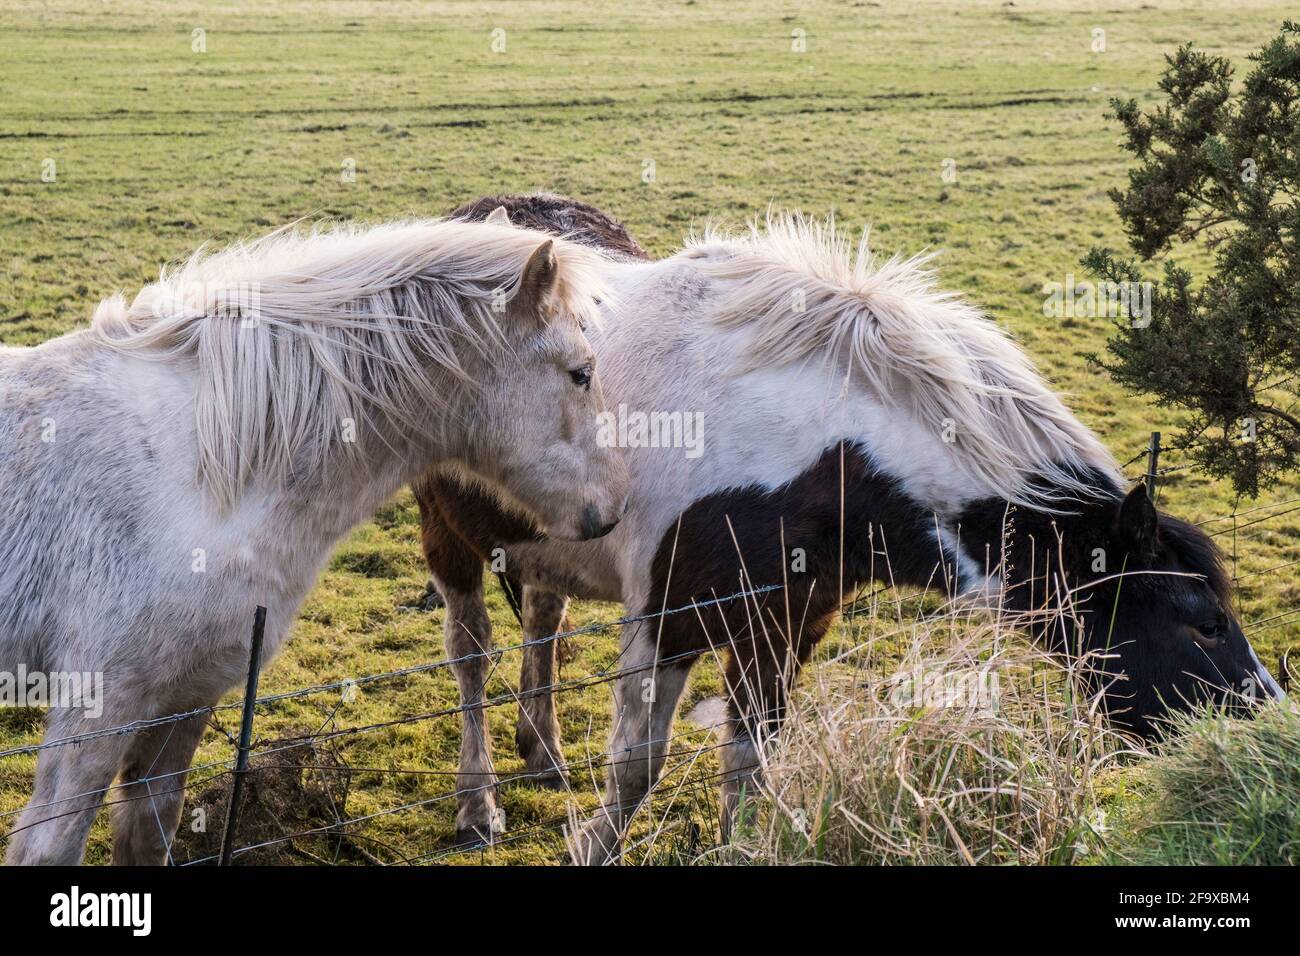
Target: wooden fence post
[{"x": 1153, "y": 461}]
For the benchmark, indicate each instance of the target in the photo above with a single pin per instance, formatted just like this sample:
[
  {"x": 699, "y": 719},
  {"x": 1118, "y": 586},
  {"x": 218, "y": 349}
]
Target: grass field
[{"x": 122, "y": 147}]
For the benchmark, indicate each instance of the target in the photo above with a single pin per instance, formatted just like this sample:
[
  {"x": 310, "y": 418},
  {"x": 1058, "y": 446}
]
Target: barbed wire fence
[
  {"x": 239, "y": 767},
  {"x": 245, "y": 748}
]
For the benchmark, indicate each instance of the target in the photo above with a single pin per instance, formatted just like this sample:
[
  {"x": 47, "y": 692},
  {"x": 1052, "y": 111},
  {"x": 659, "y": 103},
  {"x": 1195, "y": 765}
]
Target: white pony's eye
[{"x": 581, "y": 377}]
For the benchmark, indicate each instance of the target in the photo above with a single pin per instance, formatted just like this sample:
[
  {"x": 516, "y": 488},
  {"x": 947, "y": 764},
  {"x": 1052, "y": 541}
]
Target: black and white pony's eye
[
  {"x": 581, "y": 377},
  {"x": 1210, "y": 634}
]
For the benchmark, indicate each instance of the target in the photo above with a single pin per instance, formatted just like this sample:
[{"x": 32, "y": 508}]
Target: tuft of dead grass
[
  {"x": 974, "y": 748},
  {"x": 287, "y": 792}
]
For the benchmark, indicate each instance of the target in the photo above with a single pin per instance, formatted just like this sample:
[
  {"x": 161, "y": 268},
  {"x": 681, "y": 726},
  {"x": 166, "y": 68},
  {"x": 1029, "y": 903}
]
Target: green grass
[
  {"x": 1222, "y": 792},
  {"x": 157, "y": 149}
]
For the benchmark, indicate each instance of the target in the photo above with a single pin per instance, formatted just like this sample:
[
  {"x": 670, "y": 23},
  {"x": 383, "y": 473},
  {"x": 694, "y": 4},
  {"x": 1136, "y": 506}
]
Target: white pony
[{"x": 200, "y": 452}]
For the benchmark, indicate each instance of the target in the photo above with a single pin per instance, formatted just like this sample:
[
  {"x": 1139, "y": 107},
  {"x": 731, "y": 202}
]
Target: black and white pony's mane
[{"x": 808, "y": 292}]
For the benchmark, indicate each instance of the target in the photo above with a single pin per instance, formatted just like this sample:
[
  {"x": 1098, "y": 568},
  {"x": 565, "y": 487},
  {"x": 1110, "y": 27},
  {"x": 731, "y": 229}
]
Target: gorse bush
[{"x": 1219, "y": 170}]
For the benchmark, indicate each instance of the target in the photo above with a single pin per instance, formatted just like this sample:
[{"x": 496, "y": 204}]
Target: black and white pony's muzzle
[{"x": 1260, "y": 685}]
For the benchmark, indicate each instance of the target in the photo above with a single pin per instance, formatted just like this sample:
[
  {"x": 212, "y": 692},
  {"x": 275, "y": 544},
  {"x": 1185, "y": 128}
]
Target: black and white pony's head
[{"x": 1163, "y": 628}]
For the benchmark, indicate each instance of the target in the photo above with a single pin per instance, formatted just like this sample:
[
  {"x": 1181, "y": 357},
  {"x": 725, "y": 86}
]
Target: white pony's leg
[
  {"x": 742, "y": 775},
  {"x": 759, "y": 675},
  {"x": 147, "y": 811},
  {"x": 645, "y": 702},
  {"x": 537, "y": 734},
  {"x": 469, "y": 632},
  {"x": 71, "y": 781}
]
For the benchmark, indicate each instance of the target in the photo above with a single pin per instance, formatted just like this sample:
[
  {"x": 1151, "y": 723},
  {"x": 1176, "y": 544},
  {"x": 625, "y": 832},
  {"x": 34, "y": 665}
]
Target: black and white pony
[{"x": 857, "y": 425}]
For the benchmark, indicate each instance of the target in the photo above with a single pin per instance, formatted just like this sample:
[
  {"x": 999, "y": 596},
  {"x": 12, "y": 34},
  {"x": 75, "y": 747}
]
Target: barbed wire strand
[{"x": 586, "y": 629}]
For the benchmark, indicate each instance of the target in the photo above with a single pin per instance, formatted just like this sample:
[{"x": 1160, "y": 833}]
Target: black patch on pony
[
  {"x": 1141, "y": 605},
  {"x": 1197, "y": 551},
  {"x": 732, "y": 540}
]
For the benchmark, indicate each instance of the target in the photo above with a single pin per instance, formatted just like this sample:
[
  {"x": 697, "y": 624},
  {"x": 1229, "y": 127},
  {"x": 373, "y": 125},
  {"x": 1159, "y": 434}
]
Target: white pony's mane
[
  {"x": 810, "y": 292},
  {"x": 299, "y": 331}
]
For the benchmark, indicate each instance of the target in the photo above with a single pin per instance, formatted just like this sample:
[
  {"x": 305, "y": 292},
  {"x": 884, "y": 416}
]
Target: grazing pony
[
  {"x": 859, "y": 425},
  {"x": 202, "y": 450}
]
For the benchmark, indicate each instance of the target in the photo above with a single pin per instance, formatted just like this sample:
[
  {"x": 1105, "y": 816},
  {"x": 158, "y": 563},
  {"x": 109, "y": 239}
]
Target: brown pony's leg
[
  {"x": 458, "y": 573},
  {"x": 537, "y": 734}
]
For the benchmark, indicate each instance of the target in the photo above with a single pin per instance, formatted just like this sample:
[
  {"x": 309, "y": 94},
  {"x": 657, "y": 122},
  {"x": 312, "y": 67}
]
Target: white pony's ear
[
  {"x": 498, "y": 216},
  {"x": 538, "y": 281}
]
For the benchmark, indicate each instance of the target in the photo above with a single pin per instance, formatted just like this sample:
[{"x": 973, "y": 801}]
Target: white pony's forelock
[
  {"x": 806, "y": 291},
  {"x": 300, "y": 330}
]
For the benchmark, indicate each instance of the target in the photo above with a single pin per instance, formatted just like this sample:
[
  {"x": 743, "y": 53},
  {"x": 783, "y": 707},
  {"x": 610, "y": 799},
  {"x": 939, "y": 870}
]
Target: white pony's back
[
  {"x": 788, "y": 339},
  {"x": 84, "y": 475}
]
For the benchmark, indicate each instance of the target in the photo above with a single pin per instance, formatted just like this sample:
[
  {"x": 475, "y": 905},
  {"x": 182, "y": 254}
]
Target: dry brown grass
[{"x": 996, "y": 762}]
